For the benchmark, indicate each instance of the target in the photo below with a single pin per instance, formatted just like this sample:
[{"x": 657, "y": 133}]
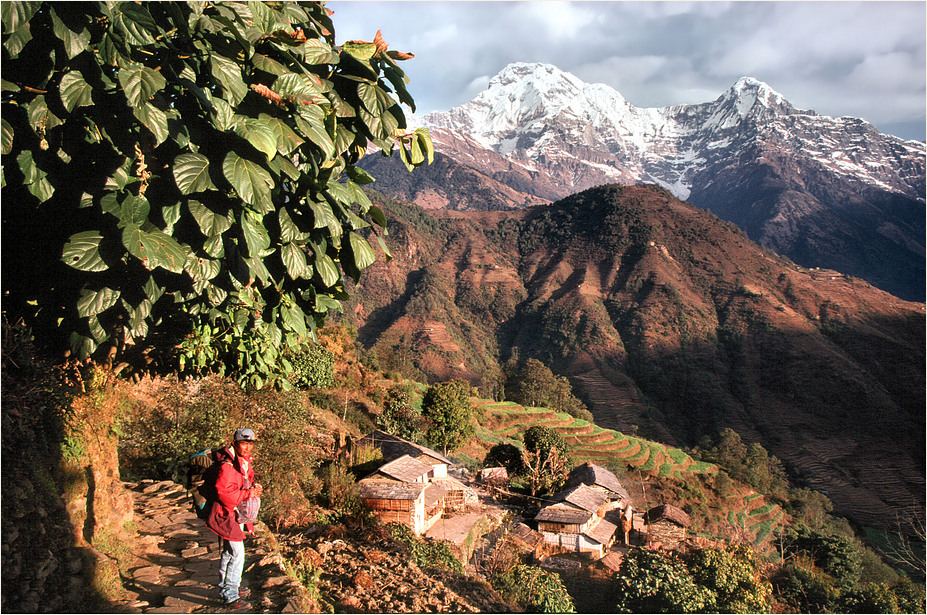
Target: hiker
[{"x": 233, "y": 513}]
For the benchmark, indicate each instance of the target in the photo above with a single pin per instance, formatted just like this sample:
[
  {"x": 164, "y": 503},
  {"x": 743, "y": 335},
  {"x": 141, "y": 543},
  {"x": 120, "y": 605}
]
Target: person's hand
[{"x": 257, "y": 490}]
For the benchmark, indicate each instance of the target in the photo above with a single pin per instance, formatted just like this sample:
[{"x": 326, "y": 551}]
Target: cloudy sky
[{"x": 865, "y": 59}]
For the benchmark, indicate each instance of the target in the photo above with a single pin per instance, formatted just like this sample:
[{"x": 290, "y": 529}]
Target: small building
[
  {"x": 413, "y": 486},
  {"x": 599, "y": 478},
  {"x": 395, "y": 502},
  {"x": 575, "y": 522},
  {"x": 667, "y": 526},
  {"x": 494, "y": 476}
]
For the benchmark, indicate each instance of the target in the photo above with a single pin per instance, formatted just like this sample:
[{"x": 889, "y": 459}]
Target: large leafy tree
[
  {"x": 190, "y": 164},
  {"x": 446, "y": 405}
]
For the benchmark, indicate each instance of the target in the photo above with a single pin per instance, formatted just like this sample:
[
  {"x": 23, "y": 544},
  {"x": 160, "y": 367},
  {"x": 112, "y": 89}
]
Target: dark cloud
[{"x": 865, "y": 59}]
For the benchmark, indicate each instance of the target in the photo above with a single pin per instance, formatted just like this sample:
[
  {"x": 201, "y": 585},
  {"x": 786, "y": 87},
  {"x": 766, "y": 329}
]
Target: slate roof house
[
  {"x": 576, "y": 521},
  {"x": 413, "y": 486},
  {"x": 667, "y": 526}
]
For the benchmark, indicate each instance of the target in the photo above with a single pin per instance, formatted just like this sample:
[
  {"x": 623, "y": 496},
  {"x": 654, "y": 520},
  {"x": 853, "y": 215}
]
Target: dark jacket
[{"x": 232, "y": 488}]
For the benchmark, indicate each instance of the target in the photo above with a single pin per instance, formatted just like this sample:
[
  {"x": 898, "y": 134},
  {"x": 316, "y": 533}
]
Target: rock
[
  {"x": 351, "y": 603},
  {"x": 363, "y": 580}
]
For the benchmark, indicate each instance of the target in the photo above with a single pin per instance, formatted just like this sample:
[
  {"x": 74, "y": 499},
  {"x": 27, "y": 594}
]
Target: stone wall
[{"x": 66, "y": 515}]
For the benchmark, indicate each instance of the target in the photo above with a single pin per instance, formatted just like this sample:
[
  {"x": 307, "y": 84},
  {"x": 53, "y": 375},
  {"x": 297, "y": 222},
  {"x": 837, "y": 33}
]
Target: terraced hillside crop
[
  {"x": 505, "y": 420},
  {"x": 742, "y": 515}
]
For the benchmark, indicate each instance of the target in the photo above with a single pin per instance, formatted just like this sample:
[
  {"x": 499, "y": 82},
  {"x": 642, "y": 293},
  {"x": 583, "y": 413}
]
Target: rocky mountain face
[
  {"x": 828, "y": 192},
  {"x": 669, "y": 321}
]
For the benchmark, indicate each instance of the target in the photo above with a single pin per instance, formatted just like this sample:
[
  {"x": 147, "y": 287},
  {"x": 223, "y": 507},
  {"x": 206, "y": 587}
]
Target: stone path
[{"x": 176, "y": 561}]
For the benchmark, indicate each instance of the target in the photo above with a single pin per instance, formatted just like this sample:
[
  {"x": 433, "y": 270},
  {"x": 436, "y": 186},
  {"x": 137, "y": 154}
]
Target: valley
[{"x": 669, "y": 321}]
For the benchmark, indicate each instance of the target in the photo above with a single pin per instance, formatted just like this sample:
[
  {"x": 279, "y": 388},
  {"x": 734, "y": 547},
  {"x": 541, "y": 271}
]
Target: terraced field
[
  {"x": 505, "y": 420},
  {"x": 749, "y": 514}
]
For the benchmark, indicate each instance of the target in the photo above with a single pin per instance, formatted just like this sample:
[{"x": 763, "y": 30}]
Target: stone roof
[
  {"x": 526, "y": 535},
  {"x": 433, "y": 493},
  {"x": 558, "y": 513},
  {"x": 394, "y": 447},
  {"x": 406, "y": 469},
  {"x": 591, "y": 474},
  {"x": 667, "y": 512},
  {"x": 449, "y": 483},
  {"x": 602, "y": 532},
  {"x": 371, "y": 489},
  {"x": 584, "y": 497}
]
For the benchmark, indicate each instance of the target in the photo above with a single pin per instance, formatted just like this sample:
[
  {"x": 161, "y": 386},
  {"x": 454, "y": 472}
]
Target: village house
[
  {"x": 618, "y": 510},
  {"x": 413, "y": 486},
  {"x": 576, "y": 521},
  {"x": 667, "y": 527}
]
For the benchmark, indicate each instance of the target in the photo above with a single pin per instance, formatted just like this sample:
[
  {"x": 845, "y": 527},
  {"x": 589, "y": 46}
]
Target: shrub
[
  {"x": 313, "y": 368},
  {"x": 534, "y": 589},
  {"x": 426, "y": 553}
]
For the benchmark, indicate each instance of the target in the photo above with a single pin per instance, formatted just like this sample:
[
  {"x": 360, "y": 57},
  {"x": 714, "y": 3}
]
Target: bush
[
  {"x": 534, "y": 589},
  {"x": 313, "y": 368},
  {"x": 426, "y": 553}
]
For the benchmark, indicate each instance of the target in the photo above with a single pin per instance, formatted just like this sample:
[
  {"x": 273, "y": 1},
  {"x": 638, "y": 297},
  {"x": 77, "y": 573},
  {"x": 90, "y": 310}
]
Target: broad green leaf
[
  {"x": 202, "y": 269},
  {"x": 360, "y": 176},
  {"x": 269, "y": 65},
  {"x": 16, "y": 14},
  {"x": 424, "y": 138},
  {"x": 287, "y": 140},
  {"x": 294, "y": 259},
  {"x": 250, "y": 180},
  {"x": 317, "y": 51},
  {"x": 377, "y": 215},
  {"x": 18, "y": 39},
  {"x": 215, "y": 246},
  {"x": 416, "y": 156},
  {"x": 263, "y": 16},
  {"x": 360, "y": 248},
  {"x": 287, "y": 167},
  {"x": 136, "y": 21},
  {"x": 326, "y": 269},
  {"x": 360, "y": 50},
  {"x": 140, "y": 83},
  {"x": 82, "y": 252},
  {"x": 154, "y": 120},
  {"x": 343, "y": 139},
  {"x": 211, "y": 224},
  {"x": 228, "y": 74},
  {"x": 74, "y": 91},
  {"x": 74, "y": 42},
  {"x": 81, "y": 345},
  {"x": 215, "y": 294},
  {"x": 152, "y": 290},
  {"x": 93, "y": 302},
  {"x": 367, "y": 92},
  {"x": 324, "y": 216},
  {"x": 134, "y": 210},
  {"x": 289, "y": 231},
  {"x": 385, "y": 248},
  {"x": 258, "y": 134},
  {"x": 257, "y": 269},
  {"x": 154, "y": 248},
  {"x": 256, "y": 236},
  {"x": 171, "y": 214},
  {"x": 224, "y": 114},
  {"x": 191, "y": 172},
  {"x": 298, "y": 87},
  {"x": 311, "y": 122},
  {"x": 295, "y": 319},
  {"x": 40, "y": 118}
]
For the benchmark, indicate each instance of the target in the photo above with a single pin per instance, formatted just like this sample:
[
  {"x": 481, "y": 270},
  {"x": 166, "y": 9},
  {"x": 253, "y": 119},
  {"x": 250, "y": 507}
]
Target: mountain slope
[
  {"x": 668, "y": 319},
  {"x": 829, "y": 192}
]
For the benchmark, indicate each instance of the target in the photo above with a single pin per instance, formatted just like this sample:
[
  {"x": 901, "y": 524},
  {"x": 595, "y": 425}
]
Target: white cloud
[{"x": 838, "y": 58}]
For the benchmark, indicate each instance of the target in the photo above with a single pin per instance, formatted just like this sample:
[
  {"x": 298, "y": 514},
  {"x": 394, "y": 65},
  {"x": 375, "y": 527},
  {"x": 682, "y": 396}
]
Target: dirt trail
[{"x": 176, "y": 561}]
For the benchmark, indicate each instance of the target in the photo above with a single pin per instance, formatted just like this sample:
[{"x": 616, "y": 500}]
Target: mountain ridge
[
  {"x": 666, "y": 319},
  {"x": 826, "y": 192}
]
